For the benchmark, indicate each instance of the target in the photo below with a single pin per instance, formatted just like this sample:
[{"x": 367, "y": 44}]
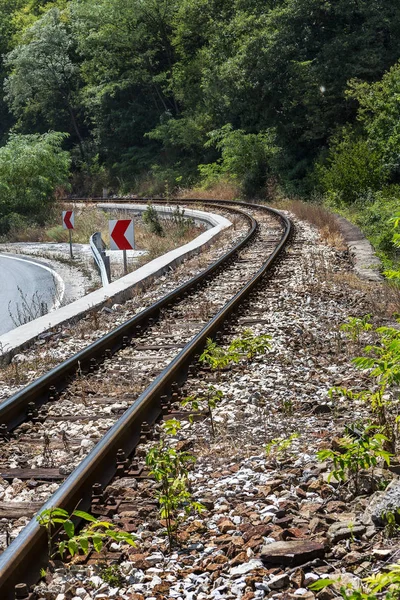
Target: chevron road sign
[
  {"x": 122, "y": 237},
  {"x": 68, "y": 219},
  {"x": 121, "y": 234},
  {"x": 68, "y": 222}
]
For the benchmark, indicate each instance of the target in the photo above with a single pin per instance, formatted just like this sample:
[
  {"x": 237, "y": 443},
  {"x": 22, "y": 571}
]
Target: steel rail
[
  {"x": 27, "y": 553},
  {"x": 13, "y": 410}
]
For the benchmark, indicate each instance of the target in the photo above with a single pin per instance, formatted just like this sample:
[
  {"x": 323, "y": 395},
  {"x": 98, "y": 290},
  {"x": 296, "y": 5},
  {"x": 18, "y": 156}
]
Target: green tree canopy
[
  {"x": 44, "y": 79},
  {"x": 31, "y": 168}
]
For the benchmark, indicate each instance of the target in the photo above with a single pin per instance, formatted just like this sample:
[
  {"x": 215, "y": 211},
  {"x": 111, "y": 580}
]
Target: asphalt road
[{"x": 25, "y": 289}]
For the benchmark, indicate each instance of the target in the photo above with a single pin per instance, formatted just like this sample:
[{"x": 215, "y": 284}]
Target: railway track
[{"x": 130, "y": 374}]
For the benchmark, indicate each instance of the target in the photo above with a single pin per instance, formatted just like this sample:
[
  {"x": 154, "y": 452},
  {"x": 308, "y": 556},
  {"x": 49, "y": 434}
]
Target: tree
[
  {"x": 128, "y": 58},
  {"x": 245, "y": 157},
  {"x": 352, "y": 168},
  {"x": 7, "y": 31},
  {"x": 285, "y": 64},
  {"x": 379, "y": 114},
  {"x": 44, "y": 78},
  {"x": 31, "y": 168}
]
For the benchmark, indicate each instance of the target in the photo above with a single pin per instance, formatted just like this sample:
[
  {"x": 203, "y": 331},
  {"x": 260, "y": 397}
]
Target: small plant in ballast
[
  {"x": 355, "y": 326},
  {"x": 216, "y": 357},
  {"x": 211, "y": 397},
  {"x": 384, "y": 585},
  {"x": 93, "y": 536},
  {"x": 251, "y": 345},
  {"x": 356, "y": 453},
  {"x": 381, "y": 363},
  {"x": 169, "y": 467},
  {"x": 279, "y": 447},
  {"x": 248, "y": 344},
  {"x": 390, "y": 518}
]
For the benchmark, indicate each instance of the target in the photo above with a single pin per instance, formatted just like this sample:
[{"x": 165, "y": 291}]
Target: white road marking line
[{"x": 60, "y": 285}]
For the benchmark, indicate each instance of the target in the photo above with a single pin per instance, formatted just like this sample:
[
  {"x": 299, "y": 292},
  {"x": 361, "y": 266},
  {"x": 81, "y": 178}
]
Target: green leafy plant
[
  {"x": 287, "y": 406},
  {"x": 112, "y": 575},
  {"x": 356, "y": 454},
  {"x": 169, "y": 467},
  {"x": 391, "y": 525},
  {"x": 212, "y": 397},
  {"x": 183, "y": 223},
  {"x": 355, "y": 326},
  {"x": 387, "y": 582},
  {"x": 350, "y": 527},
  {"x": 94, "y": 535},
  {"x": 382, "y": 364},
  {"x": 279, "y": 447},
  {"x": 31, "y": 168},
  {"x": 151, "y": 218},
  {"x": 216, "y": 357},
  {"x": 251, "y": 345},
  {"x": 394, "y": 274},
  {"x": 245, "y": 157}
]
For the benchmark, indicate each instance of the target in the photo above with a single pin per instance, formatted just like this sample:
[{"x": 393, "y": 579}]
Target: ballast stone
[
  {"x": 382, "y": 502},
  {"x": 292, "y": 553}
]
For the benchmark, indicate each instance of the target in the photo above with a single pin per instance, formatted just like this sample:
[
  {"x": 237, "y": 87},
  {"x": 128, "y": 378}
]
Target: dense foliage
[
  {"x": 157, "y": 93},
  {"x": 31, "y": 168}
]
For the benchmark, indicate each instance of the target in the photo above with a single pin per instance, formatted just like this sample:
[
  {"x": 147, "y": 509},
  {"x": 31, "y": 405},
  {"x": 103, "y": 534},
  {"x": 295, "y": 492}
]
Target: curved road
[{"x": 26, "y": 288}]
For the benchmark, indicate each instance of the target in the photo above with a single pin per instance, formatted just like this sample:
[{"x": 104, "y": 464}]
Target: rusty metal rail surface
[
  {"x": 13, "y": 410},
  {"x": 27, "y": 553}
]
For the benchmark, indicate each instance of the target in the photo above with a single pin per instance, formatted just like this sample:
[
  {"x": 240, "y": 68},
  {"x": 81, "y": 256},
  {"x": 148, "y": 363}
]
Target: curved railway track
[{"x": 146, "y": 358}]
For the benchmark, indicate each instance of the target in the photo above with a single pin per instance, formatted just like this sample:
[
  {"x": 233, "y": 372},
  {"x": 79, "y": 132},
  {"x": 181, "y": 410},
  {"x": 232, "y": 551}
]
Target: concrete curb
[
  {"x": 118, "y": 291},
  {"x": 366, "y": 264}
]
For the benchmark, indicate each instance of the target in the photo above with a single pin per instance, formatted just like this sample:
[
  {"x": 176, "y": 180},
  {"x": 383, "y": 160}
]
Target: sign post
[
  {"x": 125, "y": 262},
  {"x": 68, "y": 221},
  {"x": 122, "y": 237}
]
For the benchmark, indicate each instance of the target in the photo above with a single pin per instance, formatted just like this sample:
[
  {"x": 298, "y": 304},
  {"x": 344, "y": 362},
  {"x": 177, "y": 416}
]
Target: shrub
[
  {"x": 169, "y": 467},
  {"x": 356, "y": 454},
  {"x": 246, "y": 158},
  {"x": 31, "y": 168},
  {"x": 352, "y": 168},
  {"x": 150, "y": 217}
]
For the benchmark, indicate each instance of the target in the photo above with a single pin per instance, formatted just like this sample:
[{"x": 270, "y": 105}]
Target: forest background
[{"x": 264, "y": 97}]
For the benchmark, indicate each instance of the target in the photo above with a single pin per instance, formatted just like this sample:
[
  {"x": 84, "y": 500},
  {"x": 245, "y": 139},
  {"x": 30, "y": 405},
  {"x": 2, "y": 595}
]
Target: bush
[
  {"x": 12, "y": 221},
  {"x": 31, "y": 168},
  {"x": 373, "y": 212},
  {"x": 150, "y": 217},
  {"x": 351, "y": 170},
  {"x": 246, "y": 158}
]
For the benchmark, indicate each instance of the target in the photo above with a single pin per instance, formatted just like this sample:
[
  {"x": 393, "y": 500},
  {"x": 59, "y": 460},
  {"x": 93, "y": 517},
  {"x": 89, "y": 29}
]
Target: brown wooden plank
[
  {"x": 50, "y": 474},
  {"x": 146, "y": 347},
  {"x": 16, "y": 510}
]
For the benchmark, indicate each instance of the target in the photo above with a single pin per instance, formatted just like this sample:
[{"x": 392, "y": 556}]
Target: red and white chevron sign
[
  {"x": 68, "y": 219},
  {"x": 122, "y": 235}
]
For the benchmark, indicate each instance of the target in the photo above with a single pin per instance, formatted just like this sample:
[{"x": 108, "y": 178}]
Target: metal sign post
[
  {"x": 125, "y": 263},
  {"x": 70, "y": 243}
]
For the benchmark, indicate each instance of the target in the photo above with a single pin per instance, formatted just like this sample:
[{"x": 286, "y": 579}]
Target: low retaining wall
[
  {"x": 366, "y": 264},
  {"x": 118, "y": 291}
]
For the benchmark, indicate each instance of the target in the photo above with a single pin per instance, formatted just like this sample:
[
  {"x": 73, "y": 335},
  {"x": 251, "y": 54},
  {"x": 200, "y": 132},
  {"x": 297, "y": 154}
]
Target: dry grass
[
  {"x": 16, "y": 374},
  {"x": 384, "y": 298},
  {"x": 381, "y": 299},
  {"x": 223, "y": 190},
  {"x": 317, "y": 215},
  {"x": 89, "y": 219},
  {"x": 156, "y": 245}
]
